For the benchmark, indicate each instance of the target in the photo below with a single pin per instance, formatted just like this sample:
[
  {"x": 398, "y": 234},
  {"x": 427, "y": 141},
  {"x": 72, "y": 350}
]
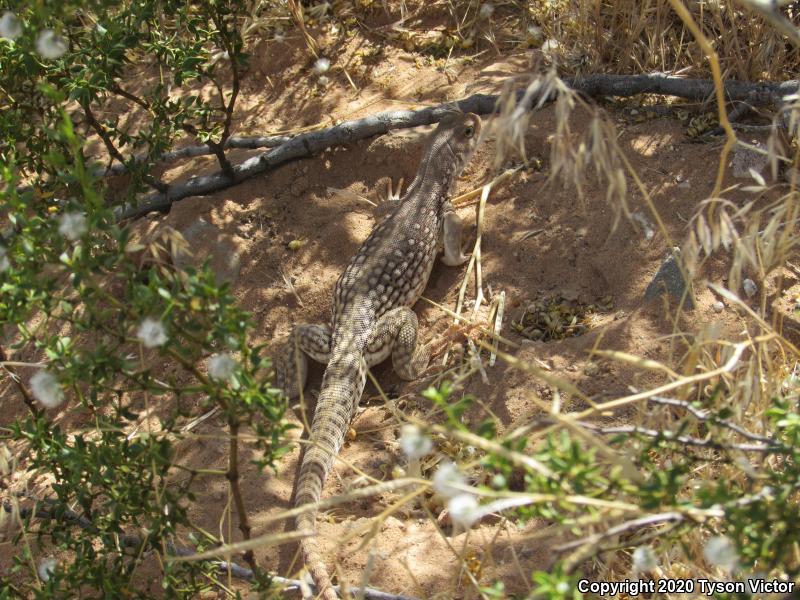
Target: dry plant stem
[
  {"x": 716, "y": 72},
  {"x": 738, "y": 349},
  {"x": 296, "y": 9},
  {"x": 702, "y": 415},
  {"x": 27, "y": 397},
  {"x": 347, "y": 132},
  {"x": 233, "y": 480},
  {"x": 474, "y": 261}
]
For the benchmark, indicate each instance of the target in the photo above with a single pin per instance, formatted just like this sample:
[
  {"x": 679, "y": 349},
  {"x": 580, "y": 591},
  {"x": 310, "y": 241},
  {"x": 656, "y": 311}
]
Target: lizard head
[{"x": 455, "y": 139}]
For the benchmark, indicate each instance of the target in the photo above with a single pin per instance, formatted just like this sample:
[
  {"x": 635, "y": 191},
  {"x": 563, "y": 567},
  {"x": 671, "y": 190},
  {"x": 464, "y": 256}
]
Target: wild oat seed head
[
  {"x": 72, "y": 225},
  {"x": 413, "y": 442},
  {"x": 10, "y": 27},
  {"x": 50, "y": 45},
  {"x": 46, "y": 389},
  {"x": 151, "y": 333}
]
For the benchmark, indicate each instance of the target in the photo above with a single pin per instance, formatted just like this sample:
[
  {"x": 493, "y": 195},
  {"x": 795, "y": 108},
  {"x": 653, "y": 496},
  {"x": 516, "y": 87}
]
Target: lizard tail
[{"x": 342, "y": 386}]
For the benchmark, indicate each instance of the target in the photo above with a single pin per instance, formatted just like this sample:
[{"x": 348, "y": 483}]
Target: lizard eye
[{"x": 469, "y": 132}]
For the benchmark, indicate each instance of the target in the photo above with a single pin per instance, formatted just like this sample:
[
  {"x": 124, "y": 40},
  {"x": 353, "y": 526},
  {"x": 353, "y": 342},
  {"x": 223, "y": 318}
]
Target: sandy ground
[{"x": 573, "y": 252}]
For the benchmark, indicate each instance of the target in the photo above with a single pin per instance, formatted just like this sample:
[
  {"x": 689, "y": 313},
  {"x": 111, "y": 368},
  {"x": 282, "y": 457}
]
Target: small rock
[
  {"x": 718, "y": 306},
  {"x": 750, "y": 288},
  {"x": 669, "y": 278},
  {"x": 591, "y": 369}
]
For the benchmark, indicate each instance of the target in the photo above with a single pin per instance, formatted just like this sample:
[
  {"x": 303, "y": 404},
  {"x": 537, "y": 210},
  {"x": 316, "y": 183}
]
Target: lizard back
[{"x": 389, "y": 271}]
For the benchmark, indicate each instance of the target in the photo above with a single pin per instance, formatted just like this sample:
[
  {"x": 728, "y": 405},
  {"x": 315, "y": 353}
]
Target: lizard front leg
[
  {"x": 450, "y": 238},
  {"x": 291, "y": 366}
]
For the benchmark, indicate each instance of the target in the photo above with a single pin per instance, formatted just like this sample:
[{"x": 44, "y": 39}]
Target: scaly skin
[{"x": 372, "y": 317}]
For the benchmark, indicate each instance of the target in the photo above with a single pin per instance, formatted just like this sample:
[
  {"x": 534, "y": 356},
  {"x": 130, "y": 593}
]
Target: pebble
[
  {"x": 750, "y": 288},
  {"x": 591, "y": 369},
  {"x": 718, "y": 306}
]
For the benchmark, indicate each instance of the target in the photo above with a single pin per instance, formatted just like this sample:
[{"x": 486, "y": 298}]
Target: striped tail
[{"x": 342, "y": 386}]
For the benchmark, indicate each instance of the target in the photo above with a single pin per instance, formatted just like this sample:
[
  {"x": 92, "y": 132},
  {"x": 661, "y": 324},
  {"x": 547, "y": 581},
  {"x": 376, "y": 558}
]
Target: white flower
[
  {"x": 551, "y": 46},
  {"x": 322, "y": 65},
  {"x": 644, "y": 559},
  {"x": 72, "y": 225},
  {"x": 448, "y": 481},
  {"x": 46, "y": 568},
  {"x": 10, "y": 27},
  {"x": 720, "y": 552},
  {"x": 4, "y": 262},
  {"x": 413, "y": 442},
  {"x": 46, "y": 389},
  {"x": 221, "y": 366},
  {"x": 486, "y": 11},
  {"x": 50, "y": 45},
  {"x": 151, "y": 333},
  {"x": 464, "y": 510}
]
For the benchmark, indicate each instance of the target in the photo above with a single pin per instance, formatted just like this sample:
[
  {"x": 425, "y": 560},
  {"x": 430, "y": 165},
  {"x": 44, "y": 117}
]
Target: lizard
[{"x": 371, "y": 314}]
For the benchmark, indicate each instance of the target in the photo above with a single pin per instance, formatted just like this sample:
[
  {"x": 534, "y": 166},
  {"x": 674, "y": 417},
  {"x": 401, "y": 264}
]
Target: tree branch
[
  {"x": 112, "y": 149},
  {"x": 233, "y": 479},
  {"x": 347, "y": 132},
  {"x": 671, "y": 436}
]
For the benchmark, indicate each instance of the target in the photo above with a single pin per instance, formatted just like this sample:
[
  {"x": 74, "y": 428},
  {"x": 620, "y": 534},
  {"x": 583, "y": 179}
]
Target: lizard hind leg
[
  {"x": 396, "y": 334},
  {"x": 291, "y": 366}
]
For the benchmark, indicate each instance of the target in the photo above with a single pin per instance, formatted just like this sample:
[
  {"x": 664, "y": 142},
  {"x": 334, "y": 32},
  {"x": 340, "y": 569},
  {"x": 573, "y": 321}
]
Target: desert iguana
[{"x": 372, "y": 317}]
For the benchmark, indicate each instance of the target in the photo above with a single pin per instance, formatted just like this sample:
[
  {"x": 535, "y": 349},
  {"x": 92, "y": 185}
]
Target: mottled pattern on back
[{"x": 371, "y": 317}]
